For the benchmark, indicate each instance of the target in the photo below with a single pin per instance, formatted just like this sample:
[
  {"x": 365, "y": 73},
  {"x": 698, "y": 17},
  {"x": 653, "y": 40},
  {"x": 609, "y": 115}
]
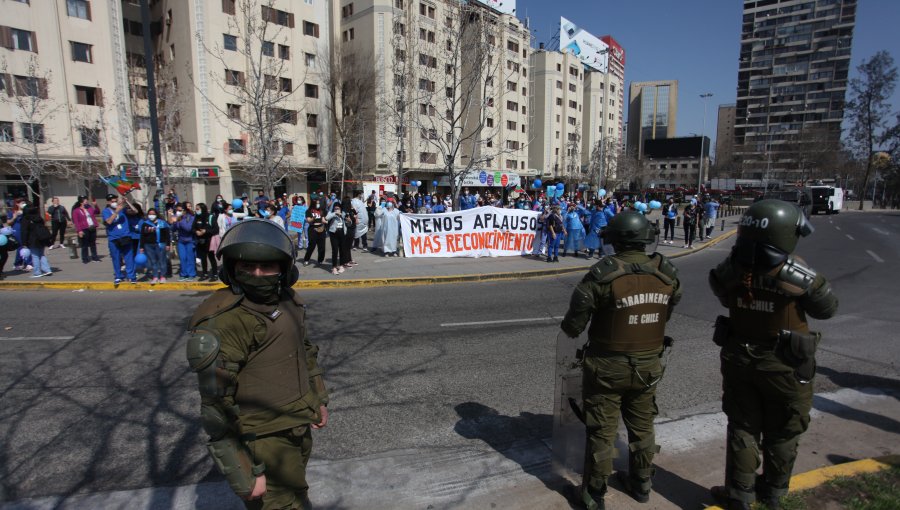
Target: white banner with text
[{"x": 479, "y": 232}]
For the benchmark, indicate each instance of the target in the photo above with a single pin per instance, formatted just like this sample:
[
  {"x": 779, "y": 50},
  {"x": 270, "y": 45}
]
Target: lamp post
[{"x": 704, "y": 97}]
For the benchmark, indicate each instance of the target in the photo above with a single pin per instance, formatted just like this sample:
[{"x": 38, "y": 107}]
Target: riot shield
[{"x": 568, "y": 414}]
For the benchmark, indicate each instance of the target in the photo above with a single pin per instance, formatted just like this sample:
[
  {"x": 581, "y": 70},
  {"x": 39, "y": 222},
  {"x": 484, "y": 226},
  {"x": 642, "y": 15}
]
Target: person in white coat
[
  {"x": 362, "y": 222},
  {"x": 388, "y": 229}
]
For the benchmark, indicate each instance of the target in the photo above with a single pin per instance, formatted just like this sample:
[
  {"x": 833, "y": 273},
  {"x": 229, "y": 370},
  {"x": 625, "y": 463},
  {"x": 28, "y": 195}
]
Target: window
[
  {"x": 523, "y": 127},
  {"x": 237, "y": 146},
  {"x": 426, "y": 35},
  {"x": 234, "y": 111},
  {"x": 427, "y": 109},
  {"x": 428, "y": 134},
  {"x": 512, "y": 144},
  {"x": 558, "y": 84},
  {"x": 558, "y": 101},
  {"x": 312, "y": 150},
  {"x": 20, "y": 40},
  {"x": 287, "y": 149},
  {"x": 512, "y": 46},
  {"x": 233, "y": 77},
  {"x": 511, "y": 86},
  {"x": 141, "y": 92},
  {"x": 312, "y": 120},
  {"x": 347, "y": 10},
  {"x": 612, "y": 102},
  {"x": 81, "y": 52},
  {"x": 310, "y": 90},
  {"x": 510, "y": 125},
  {"x": 512, "y": 106},
  {"x": 33, "y": 133},
  {"x": 270, "y": 82},
  {"x": 268, "y": 48},
  {"x": 283, "y": 116},
  {"x": 398, "y": 4},
  {"x": 79, "y": 9},
  {"x": 6, "y": 132},
  {"x": 426, "y": 10},
  {"x": 512, "y": 66},
  {"x": 573, "y": 103},
  {"x": 311, "y": 29},
  {"x": 89, "y": 137},
  {"x": 310, "y": 59},
  {"x": 92, "y": 96},
  {"x": 571, "y": 87},
  {"x": 449, "y": 91},
  {"x": 134, "y": 28},
  {"x": 287, "y": 85},
  {"x": 511, "y": 163},
  {"x": 428, "y": 61},
  {"x": 572, "y": 121},
  {"x": 612, "y": 87},
  {"x": 426, "y": 85},
  {"x": 279, "y": 17},
  {"x": 229, "y": 42},
  {"x": 559, "y": 67},
  {"x": 429, "y": 158},
  {"x": 399, "y": 28},
  {"x": 228, "y": 6},
  {"x": 284, "y": 52},
  {"x": 135, "y": 60}
]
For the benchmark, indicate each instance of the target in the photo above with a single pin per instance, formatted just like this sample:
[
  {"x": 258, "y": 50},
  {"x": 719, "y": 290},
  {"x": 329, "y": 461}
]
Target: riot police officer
[
  {"x": 628, "y": 298},
  {"x": 261, "y": 388},
  {"x": 767, "y": 350}
]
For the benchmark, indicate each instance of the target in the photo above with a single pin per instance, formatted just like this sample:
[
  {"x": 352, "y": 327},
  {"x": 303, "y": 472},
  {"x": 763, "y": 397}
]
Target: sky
[{"x": 695, "y": 42}]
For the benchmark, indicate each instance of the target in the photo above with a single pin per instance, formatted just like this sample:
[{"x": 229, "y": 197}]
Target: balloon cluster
[
  {"x": 537, "y": 183},
  {"x": 640, "y": 206},
  {"x": 655, "y": 204},
  {"x": 601, "y": 193},
  {"x": 24, "y": 253}
]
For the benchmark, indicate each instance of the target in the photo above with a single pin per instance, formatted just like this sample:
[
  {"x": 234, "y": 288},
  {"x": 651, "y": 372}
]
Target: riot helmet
[
  {"x": 768, "y": 232},
  {"x": 630, "y": 230},
  {"x": 257, "y": 240}
]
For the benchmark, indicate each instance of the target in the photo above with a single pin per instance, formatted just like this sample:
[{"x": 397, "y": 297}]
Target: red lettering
[{"x": 415, "y": 243}]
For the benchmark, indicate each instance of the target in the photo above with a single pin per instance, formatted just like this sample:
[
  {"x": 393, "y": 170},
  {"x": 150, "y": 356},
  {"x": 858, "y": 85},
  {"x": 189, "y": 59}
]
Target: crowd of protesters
[{"x": 569, "y": 222}]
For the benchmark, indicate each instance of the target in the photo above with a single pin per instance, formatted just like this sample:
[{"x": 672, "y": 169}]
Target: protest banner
[{"x": 479, "y": 232}]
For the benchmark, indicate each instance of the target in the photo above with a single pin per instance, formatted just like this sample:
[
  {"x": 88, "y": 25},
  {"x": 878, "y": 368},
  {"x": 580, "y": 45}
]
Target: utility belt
[
  {"x": 794, "y": 349},
  {"x": 631, "y": 359},
  {"x": 291, "y": 433}
]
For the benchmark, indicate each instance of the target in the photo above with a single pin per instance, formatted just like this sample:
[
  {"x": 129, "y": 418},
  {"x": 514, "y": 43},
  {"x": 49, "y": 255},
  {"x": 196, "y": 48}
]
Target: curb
[
  {"x": 329, "y": 284},
  {"x": 817, "y": 477}
]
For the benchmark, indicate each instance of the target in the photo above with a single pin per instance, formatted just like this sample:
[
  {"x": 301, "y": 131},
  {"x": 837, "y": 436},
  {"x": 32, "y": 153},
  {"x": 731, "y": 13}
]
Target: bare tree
[
  {"x": 27, "y": 97},
  {"x": 868, "y": 109},
  {"x": 457, "y": 90},
  {"x": 350, "y": 80},
  {"x": 260, "y": 96},
  {"x": 813, "y": 151}
]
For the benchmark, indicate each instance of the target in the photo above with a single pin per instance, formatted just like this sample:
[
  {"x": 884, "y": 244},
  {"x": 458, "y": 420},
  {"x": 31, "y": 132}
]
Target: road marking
[
  {"x": 837, "y": 227},
  {"x": 25, "y": 338},
  {"x": 499, "y": 321},
  {"x": 874, "y": 256},
  {"x": 882, "y": 232},
  {"x": 850, "y": 237}
]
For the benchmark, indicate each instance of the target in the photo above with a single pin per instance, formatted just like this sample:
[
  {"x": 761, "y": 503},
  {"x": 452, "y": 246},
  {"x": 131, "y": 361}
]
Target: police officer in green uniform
[
  {"x": 261, "y": 388},
  {"x": 627, "y": 297},
  {"x": 768, "y": 351}
]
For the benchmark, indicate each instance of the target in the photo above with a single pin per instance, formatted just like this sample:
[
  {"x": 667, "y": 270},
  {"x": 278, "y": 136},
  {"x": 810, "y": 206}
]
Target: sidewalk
[{"x": 373, "y": 269}]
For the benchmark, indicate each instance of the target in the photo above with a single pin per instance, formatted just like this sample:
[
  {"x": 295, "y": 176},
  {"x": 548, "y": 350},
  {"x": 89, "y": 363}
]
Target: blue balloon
[
  {"x": 655, "y": 204},
  {"x": 602, "y": 192},
  {"x": 140, "y": 259},
  {"x": 24, "y": 253},
  {"x": 7, "y": 231},
  {"x": 693, "y": 201},
  {"x": 434, "y": 183},
  {"x": 640, "y": 206},
  {"x": 3, "y": 240},
  {"x": 560, "y": 186},
  {"x": 537, "y": 183},
  {"x": 237, "y": 203}
]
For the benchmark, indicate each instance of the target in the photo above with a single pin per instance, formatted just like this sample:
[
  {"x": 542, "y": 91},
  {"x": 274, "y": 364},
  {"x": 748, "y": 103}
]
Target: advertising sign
[
  {"x": 504, "y": 6},
  {"x": 485, "y": 178},
  {"x": 591, "y": 51},
  {"x": 615, "y": 49},
  {"x": 479, "y": 232}
]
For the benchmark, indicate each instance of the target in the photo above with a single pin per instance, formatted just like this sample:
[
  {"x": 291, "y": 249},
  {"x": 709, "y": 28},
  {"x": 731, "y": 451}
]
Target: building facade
[
  {"x": 792, "y": 78},
  {"x": 617, "y": 69},
  {"x": 672, "y": 163},
  {"x": 652, "y": 113},
  {"x": 725, "y": 136}
]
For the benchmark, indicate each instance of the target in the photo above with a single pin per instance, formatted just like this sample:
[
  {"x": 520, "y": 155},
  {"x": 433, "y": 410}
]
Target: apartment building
[
  {"x": 601, "y": 123},
  {"x": 617, "y": 69},
  {"x": 60, "y": 90},
  {"x": 792, "y": 77},
  {"x": 725, "y": 136},
  {"x": 558, "y": 104},
  {"x": 453, "y": 83},
  {"x": 652, "y": 112}
]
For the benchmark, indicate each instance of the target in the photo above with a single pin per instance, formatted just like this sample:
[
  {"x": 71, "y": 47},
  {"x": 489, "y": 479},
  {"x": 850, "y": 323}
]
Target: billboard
[
  {"x": 591, "y": 51},
  {"x": 615, "y": 49},
  {"x": 504, "y": 6}
]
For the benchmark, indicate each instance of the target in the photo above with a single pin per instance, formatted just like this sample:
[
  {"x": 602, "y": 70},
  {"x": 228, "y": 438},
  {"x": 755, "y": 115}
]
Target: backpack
[{"x": 213, "y": 224}]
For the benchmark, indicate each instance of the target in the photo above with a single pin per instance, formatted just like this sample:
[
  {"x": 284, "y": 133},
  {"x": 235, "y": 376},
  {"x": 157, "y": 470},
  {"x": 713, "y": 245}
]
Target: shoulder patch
[
  {"x": 607, "y": 270},
  {"x": 219, "y": 302}
]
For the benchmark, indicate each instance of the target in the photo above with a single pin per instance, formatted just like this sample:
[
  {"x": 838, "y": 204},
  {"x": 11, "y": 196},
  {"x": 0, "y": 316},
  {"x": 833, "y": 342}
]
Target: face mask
[
  {"x": 151, "y": 217},
  {"x": 333, "y": 195},
  {"x": 219, "y": 199},
  {"x": 229, "y": 212},
  {"x": 259, "y": 289},
  {"x": 179, "y": 213},
  {"x": 196, "y": 211},
  {"x": 266, "y": 213},
  {"x": 111, "y": 204}
]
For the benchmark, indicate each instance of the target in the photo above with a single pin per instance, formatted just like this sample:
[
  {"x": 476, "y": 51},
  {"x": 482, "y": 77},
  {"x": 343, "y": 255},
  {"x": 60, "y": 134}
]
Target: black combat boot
[
  {"x": 721, "y": 495},
  {"x": 635, "y": 487},
  {"x": 593, "y": 499}
]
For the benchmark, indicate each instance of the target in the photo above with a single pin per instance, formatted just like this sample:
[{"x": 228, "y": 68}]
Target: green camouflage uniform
[{"x": 627, "y": 298}]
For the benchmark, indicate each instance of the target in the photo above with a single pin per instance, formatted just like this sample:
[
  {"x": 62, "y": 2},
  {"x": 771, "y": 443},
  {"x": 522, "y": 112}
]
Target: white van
[{"x": 827, "y": 199}]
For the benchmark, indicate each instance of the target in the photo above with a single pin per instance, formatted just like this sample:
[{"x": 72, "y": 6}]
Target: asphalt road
[{"x": 95, "y": 394}]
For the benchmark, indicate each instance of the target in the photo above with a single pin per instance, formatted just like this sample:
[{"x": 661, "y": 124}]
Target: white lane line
[
  {"x": 837, "y": 227},
  {"x": 26, "y": 338},
  {"x": 850, "y": 237},
  {"x": 499, "y": 321},
  {"x": 874, "y": 256},
  {"x": 882, "y": 232}
]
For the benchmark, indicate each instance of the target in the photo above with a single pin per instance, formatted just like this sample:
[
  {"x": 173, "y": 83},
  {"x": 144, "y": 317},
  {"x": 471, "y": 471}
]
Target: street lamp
[{"x": 704, "y": 97}]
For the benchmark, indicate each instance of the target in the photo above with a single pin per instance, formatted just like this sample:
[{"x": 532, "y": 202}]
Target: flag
[{"x": 121, "y": 184}]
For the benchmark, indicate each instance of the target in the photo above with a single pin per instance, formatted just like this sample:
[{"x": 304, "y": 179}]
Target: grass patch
[{"x": 870, "y": 491}]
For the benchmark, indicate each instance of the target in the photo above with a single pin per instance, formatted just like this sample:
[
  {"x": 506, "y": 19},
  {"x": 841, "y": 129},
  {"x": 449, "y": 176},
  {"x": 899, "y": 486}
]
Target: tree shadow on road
[
  {"x": 863, "y": 382},
  {"x": 505, "y": 434}
]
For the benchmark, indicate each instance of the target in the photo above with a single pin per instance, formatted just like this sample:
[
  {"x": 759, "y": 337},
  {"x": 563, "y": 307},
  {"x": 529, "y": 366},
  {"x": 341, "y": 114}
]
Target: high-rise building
[
  {"x": 652, "y": 112},
  {"x": 725, "y": 136},
  {"x": 792, "y": 79},
  {"x": 601, "y": 124},
  {"x": 617, "y": 69}
]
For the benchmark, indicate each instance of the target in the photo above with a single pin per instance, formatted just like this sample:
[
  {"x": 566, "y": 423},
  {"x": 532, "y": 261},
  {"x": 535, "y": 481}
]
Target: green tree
[{"x": 868, "y": 109}]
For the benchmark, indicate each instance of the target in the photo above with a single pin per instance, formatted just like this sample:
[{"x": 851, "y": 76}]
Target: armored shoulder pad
[
  {"x": 202, "y": 349},
  {"x": 218, "y": 303},
  {"x": 607, "y": 270},
  {"x": 665, "y": 269},
  {"x": 795, "y": 277}
]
